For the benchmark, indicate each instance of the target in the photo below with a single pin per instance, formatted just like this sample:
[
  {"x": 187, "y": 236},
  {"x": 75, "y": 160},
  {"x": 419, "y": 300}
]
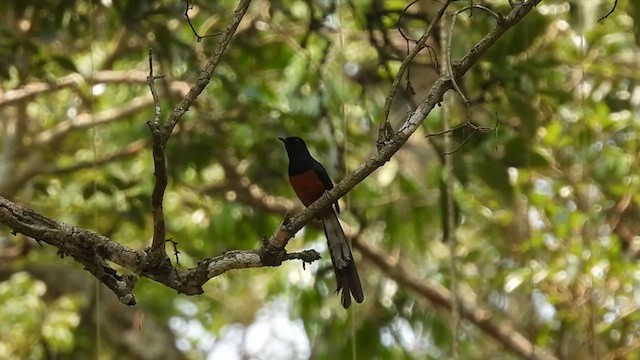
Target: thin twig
[
  {"x": 176, "y": 252},
  {"x": 402, "y": 14},
  {"x": 468, "y": 124},
  {"x": 474, "y": 130},
  {"x": 498, "y": 18},
  {"x": 430, "y": 50},
  {"x": 615, "y": 4},
  {"x": 448, "y": 131},
  {"x": 152, "y": 86},
  {"x": 207, "y": 73},
  {"x": 199, "y": 38},
  {"x": 384, "y": 122}
]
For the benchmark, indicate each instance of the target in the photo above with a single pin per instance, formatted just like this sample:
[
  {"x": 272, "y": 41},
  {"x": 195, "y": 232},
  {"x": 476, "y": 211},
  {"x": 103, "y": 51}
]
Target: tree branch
[
  {"x": 94, "y": 251},
  {"x": 250, "y": 193},
  {"x": 159, "y": 140}
]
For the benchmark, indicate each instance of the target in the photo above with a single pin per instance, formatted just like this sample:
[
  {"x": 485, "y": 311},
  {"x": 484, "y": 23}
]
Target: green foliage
[
  {"x": 30, "y": 326},
  {"x": 545, "y": 207}
]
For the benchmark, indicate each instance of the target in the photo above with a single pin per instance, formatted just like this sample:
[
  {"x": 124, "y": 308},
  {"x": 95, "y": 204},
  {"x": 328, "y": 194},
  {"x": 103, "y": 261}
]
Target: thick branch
[
  {"x": 29, "y": 91},
  {"x": 94, "y": 251}
]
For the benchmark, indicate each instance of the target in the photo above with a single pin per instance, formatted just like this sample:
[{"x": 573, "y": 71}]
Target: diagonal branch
[
  {"x": 503, "y": 331},
  {"x": 250, "y": 193},
  {"x": 392, "y": 144}
]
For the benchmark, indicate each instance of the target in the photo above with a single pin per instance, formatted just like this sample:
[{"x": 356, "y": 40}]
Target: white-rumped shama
[{"x": 310, "y": 180}]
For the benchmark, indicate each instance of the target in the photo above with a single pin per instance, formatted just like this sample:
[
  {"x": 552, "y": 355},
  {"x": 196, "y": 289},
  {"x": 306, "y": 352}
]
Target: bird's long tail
[{"x": 347, "y": 277}]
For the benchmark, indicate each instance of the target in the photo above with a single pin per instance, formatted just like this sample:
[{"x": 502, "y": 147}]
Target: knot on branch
[
  {"x": 271, "y": 256},
  {"x": 385, "y": 135},
  {"x": 122, "y": 286},
  {"x": 158, "y": 263},
  {"x": 157, "y": 132}
]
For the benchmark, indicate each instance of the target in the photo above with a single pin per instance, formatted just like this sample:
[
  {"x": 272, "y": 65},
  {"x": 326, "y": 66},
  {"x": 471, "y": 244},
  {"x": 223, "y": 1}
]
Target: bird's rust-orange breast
[{"x": 307, "y": 186}]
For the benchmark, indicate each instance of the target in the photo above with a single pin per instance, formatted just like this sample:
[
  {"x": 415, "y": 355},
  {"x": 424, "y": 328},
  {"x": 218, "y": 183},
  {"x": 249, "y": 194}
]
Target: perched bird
[{"x": 310, "y": 180}]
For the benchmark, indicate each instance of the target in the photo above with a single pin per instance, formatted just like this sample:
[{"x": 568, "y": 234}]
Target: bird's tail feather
[{"x": 348, "y": 281}]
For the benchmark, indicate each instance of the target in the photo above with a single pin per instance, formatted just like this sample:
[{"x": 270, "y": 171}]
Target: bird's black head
[
  {"x": 295, "y": 145},
  {"x": 300, "y": 160}
]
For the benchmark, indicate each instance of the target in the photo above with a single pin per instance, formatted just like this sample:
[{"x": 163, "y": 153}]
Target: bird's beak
[{"x": 283, "y": 140}]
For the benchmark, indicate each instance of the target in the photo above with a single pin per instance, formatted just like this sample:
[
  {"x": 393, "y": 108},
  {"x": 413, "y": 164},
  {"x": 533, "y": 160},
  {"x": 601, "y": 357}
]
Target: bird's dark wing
[{"x": 325, "y": 179}]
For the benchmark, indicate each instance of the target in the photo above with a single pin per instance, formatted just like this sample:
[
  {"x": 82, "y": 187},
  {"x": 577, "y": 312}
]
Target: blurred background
[{"x": 545, "y": 208}]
